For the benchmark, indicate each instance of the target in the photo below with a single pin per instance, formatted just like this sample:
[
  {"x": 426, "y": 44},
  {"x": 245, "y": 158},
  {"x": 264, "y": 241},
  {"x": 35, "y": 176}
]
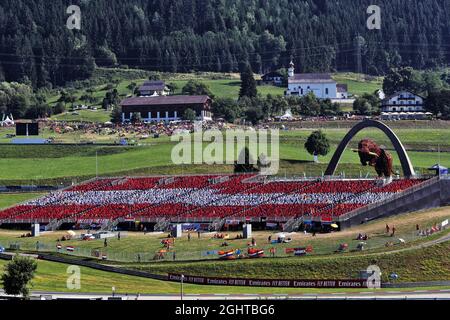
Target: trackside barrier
[
  {"x": 102, "y": 267},
  {"x": 5, "y": 256}
]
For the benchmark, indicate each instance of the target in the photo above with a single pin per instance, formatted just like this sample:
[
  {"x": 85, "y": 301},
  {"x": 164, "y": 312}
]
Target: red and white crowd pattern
[{"x": 206, "y": 196}]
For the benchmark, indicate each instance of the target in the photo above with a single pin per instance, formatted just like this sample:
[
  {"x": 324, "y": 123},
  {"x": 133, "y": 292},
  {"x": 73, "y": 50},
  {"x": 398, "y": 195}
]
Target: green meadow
[{"x": 153, "y": 156}]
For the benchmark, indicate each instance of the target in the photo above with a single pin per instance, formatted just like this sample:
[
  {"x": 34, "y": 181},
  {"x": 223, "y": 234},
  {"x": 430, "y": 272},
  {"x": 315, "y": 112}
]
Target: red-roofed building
[{"x": 166, "y": 108}]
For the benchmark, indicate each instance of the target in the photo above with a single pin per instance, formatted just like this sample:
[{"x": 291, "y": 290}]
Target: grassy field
[
  {"x": 428, "y": 264},
  {"x": 359, "y": 84},
  {"x": 10, "y": 199},
  {"x": 153, "y": 156},
  {"x": 99, "y": 115}
]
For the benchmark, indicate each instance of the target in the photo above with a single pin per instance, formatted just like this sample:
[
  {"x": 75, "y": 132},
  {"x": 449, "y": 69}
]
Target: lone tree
[
  {"x": 245, "y": 162},
  {"x": 248, "y": 84},
  {"x": 18, "y": 274},
  {"x": 116, "y": 115},
  {"x": 317, "y": 144}
]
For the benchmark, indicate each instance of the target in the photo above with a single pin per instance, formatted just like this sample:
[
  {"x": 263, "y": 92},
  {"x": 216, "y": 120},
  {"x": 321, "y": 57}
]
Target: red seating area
[
  {"x": 281, "y": 210},
  {"x": 197, "y": 182},
  {"x": 111, "y": 211},
  {"x": 398, "y": 185},
  {"x": 133, "y": 184},
  {"x": 235, "y": 184},
  {"x": 279, "y": 187},
  {"x": 53, "y": 212},
  {"x": 341, "y": 186},
  {"x": 213, "y": 212},
  {"x": 93, "y": 185},
  {"x": 164, "y": 210},
  {"x": 12, "y": 212}
]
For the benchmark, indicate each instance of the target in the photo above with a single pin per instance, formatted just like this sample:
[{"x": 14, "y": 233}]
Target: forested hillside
[{"x": 217, "y": 35}]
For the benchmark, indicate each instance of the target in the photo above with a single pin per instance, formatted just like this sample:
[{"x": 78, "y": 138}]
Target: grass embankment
[
  {"x": 22, "y": 164},
  {"x": 428, "y": 264},
  {"x": 52, "y": 277}
]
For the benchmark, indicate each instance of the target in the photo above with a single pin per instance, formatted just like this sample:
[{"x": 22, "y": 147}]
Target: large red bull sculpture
[{"x": 371, "y": 154}]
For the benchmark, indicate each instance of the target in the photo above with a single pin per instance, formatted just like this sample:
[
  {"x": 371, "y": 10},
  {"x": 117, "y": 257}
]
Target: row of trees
[
  {"x": 216, "y": 35},
  {"x": 258, "y": 108},
  {"x": 20, "y": 101}
]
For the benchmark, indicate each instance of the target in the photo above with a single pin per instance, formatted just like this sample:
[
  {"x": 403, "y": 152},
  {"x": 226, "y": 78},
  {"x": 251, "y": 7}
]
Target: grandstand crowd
[{"x": 205, "y": 197}]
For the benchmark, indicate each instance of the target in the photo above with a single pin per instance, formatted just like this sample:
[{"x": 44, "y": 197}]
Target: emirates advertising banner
[{"x": 344, "y": 283}]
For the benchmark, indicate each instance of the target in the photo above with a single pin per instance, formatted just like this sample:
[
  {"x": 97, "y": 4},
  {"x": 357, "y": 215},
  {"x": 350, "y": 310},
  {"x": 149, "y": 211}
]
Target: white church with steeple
[{"x": 321, "y": 84}]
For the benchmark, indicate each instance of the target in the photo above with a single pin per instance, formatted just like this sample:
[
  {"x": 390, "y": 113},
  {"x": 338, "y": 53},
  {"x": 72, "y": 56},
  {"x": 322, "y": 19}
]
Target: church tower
[{"x": 291, "y": 70}]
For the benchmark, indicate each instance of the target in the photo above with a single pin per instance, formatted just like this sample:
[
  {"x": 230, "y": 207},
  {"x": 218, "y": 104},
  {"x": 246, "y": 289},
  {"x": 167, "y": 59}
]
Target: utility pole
[
  {"x": 439, "y": 154},
  {"x": 182, "y": 278},
  {"x": 358, "y": 56}
]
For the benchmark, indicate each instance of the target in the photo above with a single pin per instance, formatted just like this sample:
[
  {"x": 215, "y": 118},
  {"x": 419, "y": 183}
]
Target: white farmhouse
[
  {"x": 321, "y": 84},
  {"x": 403, "y": 101},
  {"x": 403, "y": 105},
  {"x": 153, "y": 88}
]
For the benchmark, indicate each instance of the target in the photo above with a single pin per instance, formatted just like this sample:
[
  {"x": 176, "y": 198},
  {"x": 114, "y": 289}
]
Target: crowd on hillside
[{"x": 139, "y": 130}]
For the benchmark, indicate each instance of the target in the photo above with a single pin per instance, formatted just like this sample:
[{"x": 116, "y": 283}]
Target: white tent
[
  {"x": 287, "y": 115},
  {"x": 7, "y": 121}
]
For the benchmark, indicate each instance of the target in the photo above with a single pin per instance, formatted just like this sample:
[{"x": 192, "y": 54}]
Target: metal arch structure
[{"x": 408, "y": 170}]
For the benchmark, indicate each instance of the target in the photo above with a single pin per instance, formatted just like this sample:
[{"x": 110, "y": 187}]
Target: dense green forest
[{"x": 37, "y": 48}]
